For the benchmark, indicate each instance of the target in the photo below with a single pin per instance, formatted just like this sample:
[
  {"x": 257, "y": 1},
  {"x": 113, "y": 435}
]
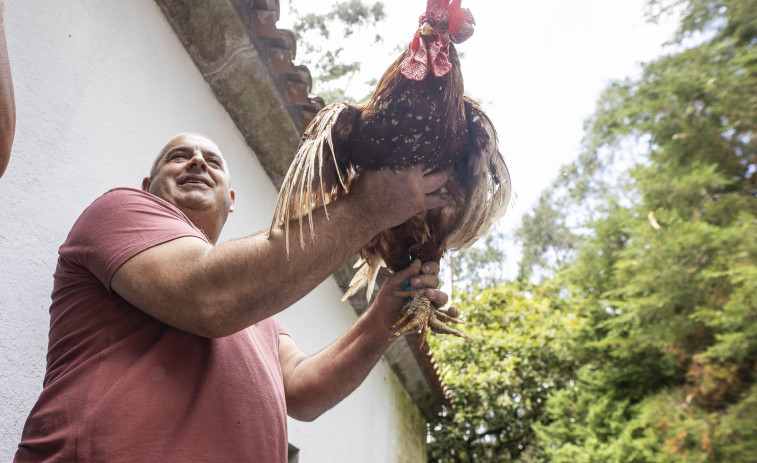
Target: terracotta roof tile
[
  {"x": 432, "y": 372},
  {"x": 283, "y": 50}
]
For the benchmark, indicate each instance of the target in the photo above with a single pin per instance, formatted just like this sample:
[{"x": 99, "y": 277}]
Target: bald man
[{"x": 163, "y": 344}]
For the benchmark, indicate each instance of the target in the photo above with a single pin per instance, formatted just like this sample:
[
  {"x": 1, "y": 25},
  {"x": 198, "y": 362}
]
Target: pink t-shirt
[{"x": 121, "y": 386}]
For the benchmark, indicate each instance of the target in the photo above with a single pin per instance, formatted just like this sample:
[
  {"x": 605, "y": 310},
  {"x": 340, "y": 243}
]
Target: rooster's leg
[{"x": 420, "y": 316}]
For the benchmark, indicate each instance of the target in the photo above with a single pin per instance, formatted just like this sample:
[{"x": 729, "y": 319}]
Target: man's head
[{"x": 191, "y": 174}]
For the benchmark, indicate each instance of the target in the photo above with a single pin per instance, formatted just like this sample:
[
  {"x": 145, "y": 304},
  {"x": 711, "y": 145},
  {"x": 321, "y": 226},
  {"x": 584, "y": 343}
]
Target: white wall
[{"x": 100, "y": 86}]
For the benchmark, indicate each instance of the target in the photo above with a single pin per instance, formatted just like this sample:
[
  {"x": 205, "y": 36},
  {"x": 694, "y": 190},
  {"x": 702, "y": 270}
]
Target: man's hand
[
  {"x": 419, "y": 277},
  {"x": 387, "y": 198},
  {"x": 313, "y": 384}
]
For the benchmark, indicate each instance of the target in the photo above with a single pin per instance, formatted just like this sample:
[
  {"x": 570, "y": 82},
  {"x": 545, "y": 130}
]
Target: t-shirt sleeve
[
  {"x": 119, "y": 225},
  {"x": 277, "y": 326}
]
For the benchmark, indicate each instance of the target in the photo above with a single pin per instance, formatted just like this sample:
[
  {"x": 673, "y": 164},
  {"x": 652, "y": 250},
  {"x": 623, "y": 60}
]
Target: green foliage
[
  {"x": 351, "y": 14},
  {"x": 667, "y": 278},
  {"x": 320, "y": 35},
  {"x": 667, "y": 347},
  {"x": 478, "y": 267},
  {"x": 652, "y": 236},
  {"x": 547, "y": 240},
  {"x": 560, "y": 220},
  {"x": 502, "y": 375}
]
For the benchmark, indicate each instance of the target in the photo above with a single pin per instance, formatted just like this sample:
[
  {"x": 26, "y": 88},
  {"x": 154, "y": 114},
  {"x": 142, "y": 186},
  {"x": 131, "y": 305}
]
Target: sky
[{"x": 536, "y": 66}]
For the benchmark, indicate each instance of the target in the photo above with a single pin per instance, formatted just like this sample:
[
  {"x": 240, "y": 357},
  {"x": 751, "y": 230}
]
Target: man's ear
[
  {"x": 233, "y": 199},
  {"x": 146, "y": 184}
]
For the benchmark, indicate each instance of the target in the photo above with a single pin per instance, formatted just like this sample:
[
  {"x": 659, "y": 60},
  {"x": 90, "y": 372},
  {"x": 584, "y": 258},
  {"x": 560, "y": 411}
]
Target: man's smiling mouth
[{"x": 194, "y": 180}]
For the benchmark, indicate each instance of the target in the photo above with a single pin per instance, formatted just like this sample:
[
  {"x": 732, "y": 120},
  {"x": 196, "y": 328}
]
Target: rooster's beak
[{"x": 427, "y": 29}]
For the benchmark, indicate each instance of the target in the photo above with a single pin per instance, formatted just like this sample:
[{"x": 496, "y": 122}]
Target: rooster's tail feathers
[
  {"x": 296, "y": 197},
  {"x": 365, "y": 276}
]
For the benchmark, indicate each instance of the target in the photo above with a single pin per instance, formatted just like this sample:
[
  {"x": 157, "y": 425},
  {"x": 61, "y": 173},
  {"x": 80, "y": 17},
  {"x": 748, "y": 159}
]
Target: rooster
[{"x": 417, "y": 115}]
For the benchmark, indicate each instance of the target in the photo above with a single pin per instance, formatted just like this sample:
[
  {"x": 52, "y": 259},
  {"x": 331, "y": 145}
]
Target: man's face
[{"x": 192, "y": 175}]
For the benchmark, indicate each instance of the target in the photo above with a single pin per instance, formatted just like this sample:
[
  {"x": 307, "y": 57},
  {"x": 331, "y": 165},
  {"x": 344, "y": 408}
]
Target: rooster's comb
[
  {"x": 436, "y": 6},
  {"x": 460, "y": 19}
]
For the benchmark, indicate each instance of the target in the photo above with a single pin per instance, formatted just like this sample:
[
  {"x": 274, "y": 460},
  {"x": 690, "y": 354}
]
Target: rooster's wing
[
  {"x": 320, "y": 171},
  {"x": 484, "y": 176},
  {"x": 480, "y": 189}
]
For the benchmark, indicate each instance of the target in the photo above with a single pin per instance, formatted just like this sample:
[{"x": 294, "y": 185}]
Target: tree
[
  {"x": 668, "y": 282},
  {"x": 319, "y": 36},
  {"x": 551, "y": 232},
  {"x": 478, "y": 267},
  {"x": 501, "y": 375}
]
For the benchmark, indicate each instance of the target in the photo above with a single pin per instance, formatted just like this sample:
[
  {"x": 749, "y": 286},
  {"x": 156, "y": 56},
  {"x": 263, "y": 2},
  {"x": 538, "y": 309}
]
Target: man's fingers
[
  {"x": 430, "y": 268},
  {"x": 425, "y": 281},
  {"x": 408, "y": 272},
  {"x": 438, "y": 298},
  {"x": 452, "y": 311},
  {"x": 428, "y": 276}
]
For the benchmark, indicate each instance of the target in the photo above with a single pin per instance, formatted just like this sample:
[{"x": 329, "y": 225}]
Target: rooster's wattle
[{"x": 417, "y": 115}]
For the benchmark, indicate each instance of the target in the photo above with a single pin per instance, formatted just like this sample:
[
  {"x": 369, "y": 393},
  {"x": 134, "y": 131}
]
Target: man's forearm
[
  {"x": 317, "y": 383},
  {"x": 322, "y": 380},
  {"x": 265, "y": 279},
  {"x": 260, "y": 279},
  {"x": 7, "y": 102},
  {"x": 216, "y": 291}
]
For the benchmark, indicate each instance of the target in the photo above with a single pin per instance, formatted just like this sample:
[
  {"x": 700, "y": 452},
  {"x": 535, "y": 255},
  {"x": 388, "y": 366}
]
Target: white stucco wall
[{"x": 100, "y": 86}]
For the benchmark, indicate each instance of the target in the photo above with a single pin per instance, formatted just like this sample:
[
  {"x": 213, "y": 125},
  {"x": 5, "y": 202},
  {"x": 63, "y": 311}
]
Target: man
[
  {"x": 162, "y": 346},
  {"x": 7, "y": 102}
]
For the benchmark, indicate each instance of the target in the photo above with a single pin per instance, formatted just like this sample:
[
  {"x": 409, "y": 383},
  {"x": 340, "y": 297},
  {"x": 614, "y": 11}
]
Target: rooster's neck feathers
[{"x": 394, "y": 83}]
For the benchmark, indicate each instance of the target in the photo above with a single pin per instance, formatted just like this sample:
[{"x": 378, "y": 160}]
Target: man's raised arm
[
  {"x": 216, "y": 291},
  {"x": 7, "y": 102},
  {"x": 314, "y": 384}
]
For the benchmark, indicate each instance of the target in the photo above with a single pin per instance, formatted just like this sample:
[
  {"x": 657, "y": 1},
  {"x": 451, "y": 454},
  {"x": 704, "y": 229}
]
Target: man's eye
[
  {"x": 215, "y": 161},
  {"x": 178, "y": 156}
]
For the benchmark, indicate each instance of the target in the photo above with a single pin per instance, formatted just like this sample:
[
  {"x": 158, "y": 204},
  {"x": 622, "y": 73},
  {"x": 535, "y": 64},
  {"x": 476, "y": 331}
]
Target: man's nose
[{"x": 197, "y": 161}]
